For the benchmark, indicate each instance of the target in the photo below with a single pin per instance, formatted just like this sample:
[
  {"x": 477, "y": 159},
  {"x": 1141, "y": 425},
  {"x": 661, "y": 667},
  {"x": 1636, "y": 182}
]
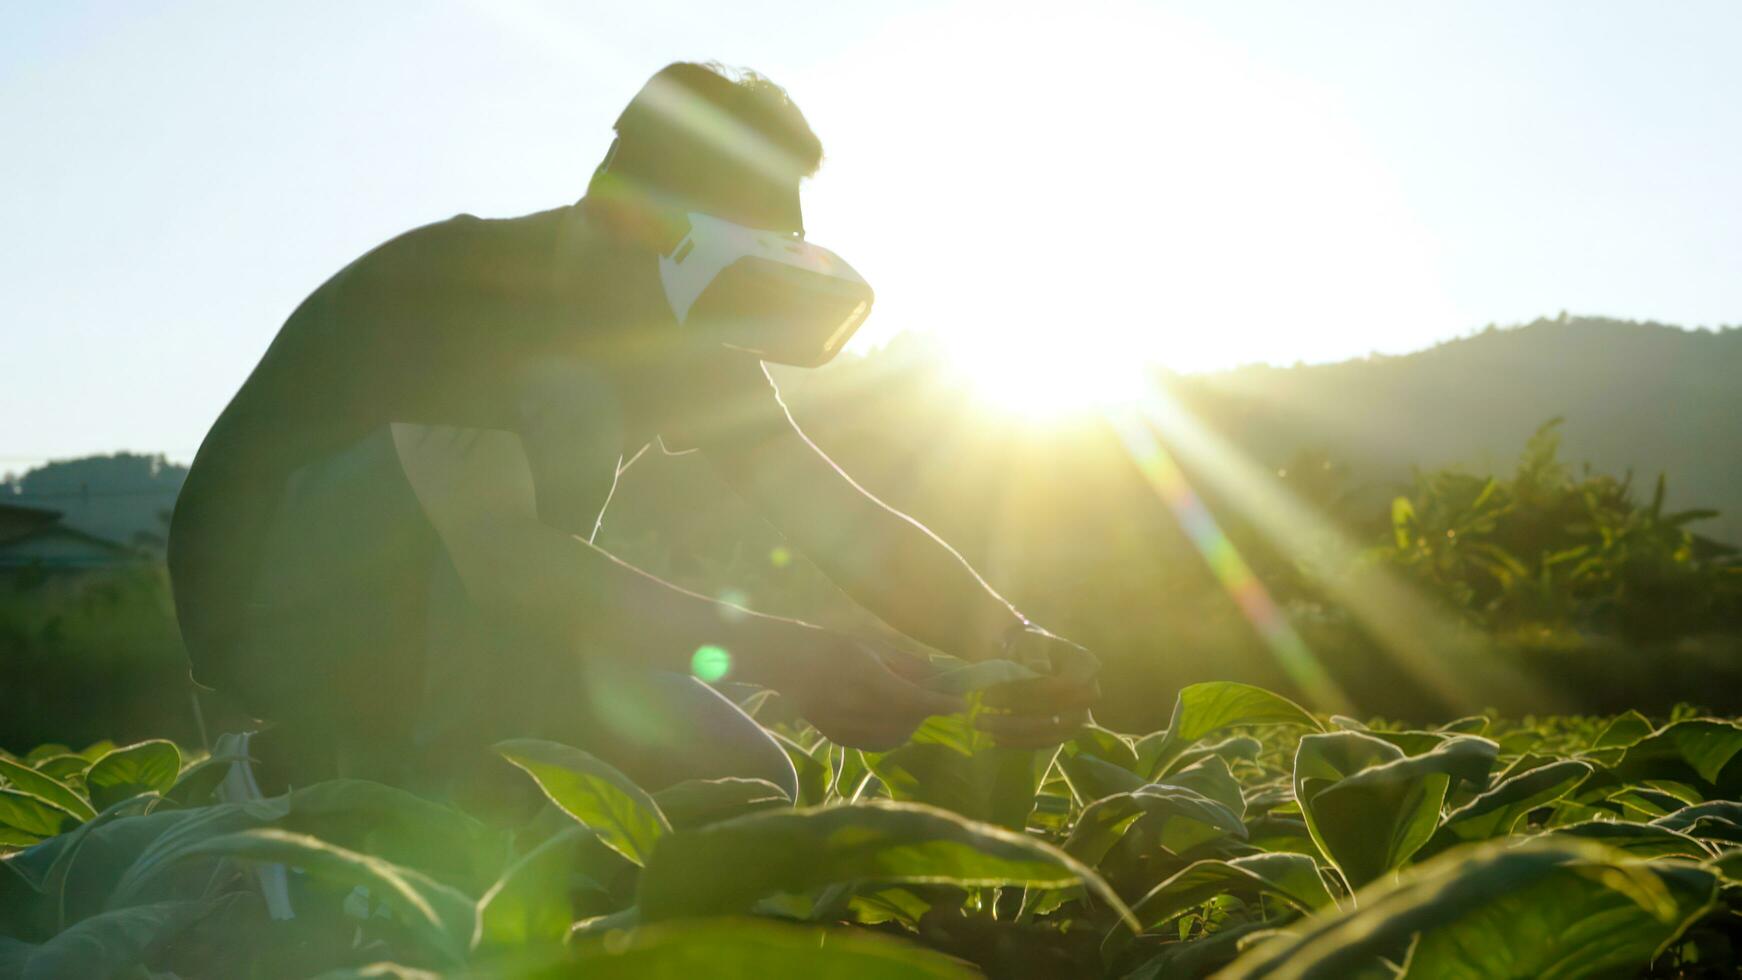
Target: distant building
[{"x": 34, "y": 537}]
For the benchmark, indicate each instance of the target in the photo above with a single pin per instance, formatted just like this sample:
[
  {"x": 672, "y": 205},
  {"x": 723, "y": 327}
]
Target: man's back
[{"x": 436, "y": 326}]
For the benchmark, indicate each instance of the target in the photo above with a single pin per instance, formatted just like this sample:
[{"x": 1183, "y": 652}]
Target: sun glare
[{"x": 1047, "y": 381}]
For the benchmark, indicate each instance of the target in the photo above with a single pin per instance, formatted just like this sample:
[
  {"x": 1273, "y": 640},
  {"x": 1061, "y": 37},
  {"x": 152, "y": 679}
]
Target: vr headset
[{"x": 764, "y": 292}]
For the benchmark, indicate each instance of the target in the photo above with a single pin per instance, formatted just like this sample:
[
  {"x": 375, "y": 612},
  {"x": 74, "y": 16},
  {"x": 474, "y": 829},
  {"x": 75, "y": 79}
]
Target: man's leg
[{"x": 335, "y": 635}]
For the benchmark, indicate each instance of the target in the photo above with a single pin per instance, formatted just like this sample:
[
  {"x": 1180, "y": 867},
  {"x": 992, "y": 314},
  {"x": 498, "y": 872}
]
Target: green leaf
[
  {"x": 1291, "y": 878},
  {"x": 1094, "y": 779},
  {"x": 1697, "y": 752},
  {"x": 625, "y": 817},
  {"x": 102, "y": 945},
  {"x": 1204, "y": 709},
  {"x": 441, "y": 917},
  {"x": 697, "y": 802},
  {"x": 47, "y": 750},
  {"x": 757, "y": 948},
  {"x": 530, "y": 902},
  {"x": 1641, "y": 840},
  {"x": 1622, "y": 731},
  {"x": 1496, "y": 812},
  {"x": 62, "y": 767},
  {"x": 196, "y": 783},
  {"x": 1181, "y": 816},
  {"x": 47, "y": 787},
  {"x": 1467, "y": 725},
  {"x": 1412, "y": 743},
  {"x": 1549, "y": 910},
  {"x": 379, "y": 971},
  {"x": 726, "y": 867},
  {"x": 144, "y": 767},
  {"x": 12, "y": 839},
  {"x": 1719, "y": 820},
  {"x": 401, "y": 827},
  {"x": 813, "y": 774},
  {"x": 948, "y": 763},
  {"x": 1214, "y": 780},
  {"x": 1368, "y": 806},
  {"x": 1228, "y": 750},
  {"x": 32, "y": 814},
  {"x": 1200, "y": 957},
  {"x": 161, "y": 852}
]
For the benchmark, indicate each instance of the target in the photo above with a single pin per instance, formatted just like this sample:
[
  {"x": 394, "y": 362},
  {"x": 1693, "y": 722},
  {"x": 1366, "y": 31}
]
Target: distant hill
[
  {"x": 122, "y": 497},
  {"x": 1635, "y": 396}
]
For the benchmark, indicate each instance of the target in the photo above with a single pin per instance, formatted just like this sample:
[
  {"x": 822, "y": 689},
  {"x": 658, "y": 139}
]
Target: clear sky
[{"x": 1194, "y": 183}]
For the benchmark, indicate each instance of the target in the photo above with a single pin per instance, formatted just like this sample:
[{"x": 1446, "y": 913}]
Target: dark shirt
[{"x": 443, "y": 325}]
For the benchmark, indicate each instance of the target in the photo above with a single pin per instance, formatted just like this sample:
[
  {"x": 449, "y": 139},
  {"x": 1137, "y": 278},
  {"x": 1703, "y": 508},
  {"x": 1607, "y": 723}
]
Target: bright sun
[
  {"x": 1153, "y": 196},
  {"x": 1060, "y": 381}
]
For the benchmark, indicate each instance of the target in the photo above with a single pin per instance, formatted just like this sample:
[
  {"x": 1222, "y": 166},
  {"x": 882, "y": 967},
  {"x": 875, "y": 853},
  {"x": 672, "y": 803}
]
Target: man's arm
[
  {"x": 476, "y": 487},
  {"x": 885, "y": 560}
]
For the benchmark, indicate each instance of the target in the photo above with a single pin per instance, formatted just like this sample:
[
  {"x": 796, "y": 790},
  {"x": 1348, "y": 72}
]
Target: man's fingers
[
  {"x": 1044, "y": 696},
  {"x": 897, "y": 696},
  {"x": 906, "y": 665},
  {"x": 1028, "y": 731}
]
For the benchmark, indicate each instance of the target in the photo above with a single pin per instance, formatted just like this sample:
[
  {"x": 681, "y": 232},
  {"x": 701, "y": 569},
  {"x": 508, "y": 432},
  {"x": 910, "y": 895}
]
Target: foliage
[
  {"x": 1251, "y": 838},
  {"x": 1546, "y": 551}
]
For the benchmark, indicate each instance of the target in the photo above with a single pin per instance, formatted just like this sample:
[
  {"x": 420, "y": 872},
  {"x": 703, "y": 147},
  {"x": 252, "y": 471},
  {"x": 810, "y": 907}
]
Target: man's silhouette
[{"x": 384, "y": 543}]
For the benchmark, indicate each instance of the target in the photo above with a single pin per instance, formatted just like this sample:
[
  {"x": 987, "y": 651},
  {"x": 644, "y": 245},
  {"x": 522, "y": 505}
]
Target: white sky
[{"x": 1200, "y": 184}]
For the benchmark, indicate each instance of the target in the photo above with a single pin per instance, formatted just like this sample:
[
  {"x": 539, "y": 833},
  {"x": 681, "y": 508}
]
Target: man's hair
[{"x": 719, "y": 139}]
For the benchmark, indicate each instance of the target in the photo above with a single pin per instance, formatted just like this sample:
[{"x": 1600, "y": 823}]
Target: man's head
[{"x": 701, "y": 139}]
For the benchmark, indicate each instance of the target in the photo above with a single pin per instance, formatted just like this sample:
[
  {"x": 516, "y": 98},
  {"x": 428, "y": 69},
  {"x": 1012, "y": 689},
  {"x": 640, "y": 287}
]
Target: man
[{"x": 384, "y": 544}]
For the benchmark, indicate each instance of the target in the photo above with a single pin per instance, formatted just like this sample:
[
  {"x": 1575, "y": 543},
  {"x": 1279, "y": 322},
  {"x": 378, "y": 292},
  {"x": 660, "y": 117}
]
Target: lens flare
[
  {"x": 1291, "y": 652},
  {"x": 710, "y": 663}
]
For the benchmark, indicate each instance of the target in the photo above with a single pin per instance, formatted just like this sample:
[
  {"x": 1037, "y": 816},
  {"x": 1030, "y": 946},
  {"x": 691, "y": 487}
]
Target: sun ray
[
  {"x": 1460, "y": 665},
  {"x": 1286, "y": 645}
]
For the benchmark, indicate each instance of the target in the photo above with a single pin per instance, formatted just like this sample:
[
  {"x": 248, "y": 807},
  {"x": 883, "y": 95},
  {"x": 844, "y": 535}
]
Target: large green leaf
[
  {"x": 1719, "y": 821},
  {"x": 1205, "y": 709},
  {"x": 950, "y": 764},
  {"x": 32, "y": 814},
  {"x": 163, "y": 852},
  {"x": 47, "y": 787},
  {"x": 401, "y": 827},
  {"x": 102, "y": 945},
  {"x": 1293, "y": 879},
  {"x": 1496, "y": 812},
  {"x": 1368, "y": 806},
  {"x": 726, "y": 867},
  {"x": 1698, "y": 752},
  {"x": 530, "y": 903},
  {"x": 757, "y": 949},
  {"x": 813, "y": 773},
  {"x": 1091, "y": 778},
  {"x": 77, "y": 870},
  {"x": 1186, "y": 809},
  {"x": 1549, "y": 910},
  {"x": 625, "y": 817},
  {"x": 1623, "y": 730},
  {"x": 442, "y": 918},
  {"x": 1641, "y": 840},
  {"x": 144, "y": 767},
  {"x": 696, "y": 802}
]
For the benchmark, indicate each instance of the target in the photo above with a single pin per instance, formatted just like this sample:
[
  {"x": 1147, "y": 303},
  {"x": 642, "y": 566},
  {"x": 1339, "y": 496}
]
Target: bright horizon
[{"x": 1178, "y": 183}]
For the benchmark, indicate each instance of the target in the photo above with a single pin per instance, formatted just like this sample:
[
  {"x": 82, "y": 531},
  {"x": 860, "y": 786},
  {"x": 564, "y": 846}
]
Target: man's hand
[
  {"x": 1049, "y": 709},
  {"x": 850, "y": 692}
]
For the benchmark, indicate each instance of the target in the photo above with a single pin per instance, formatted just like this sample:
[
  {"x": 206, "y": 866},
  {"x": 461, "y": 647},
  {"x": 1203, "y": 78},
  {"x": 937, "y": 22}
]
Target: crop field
[{"x": 1249, "y": 839}]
